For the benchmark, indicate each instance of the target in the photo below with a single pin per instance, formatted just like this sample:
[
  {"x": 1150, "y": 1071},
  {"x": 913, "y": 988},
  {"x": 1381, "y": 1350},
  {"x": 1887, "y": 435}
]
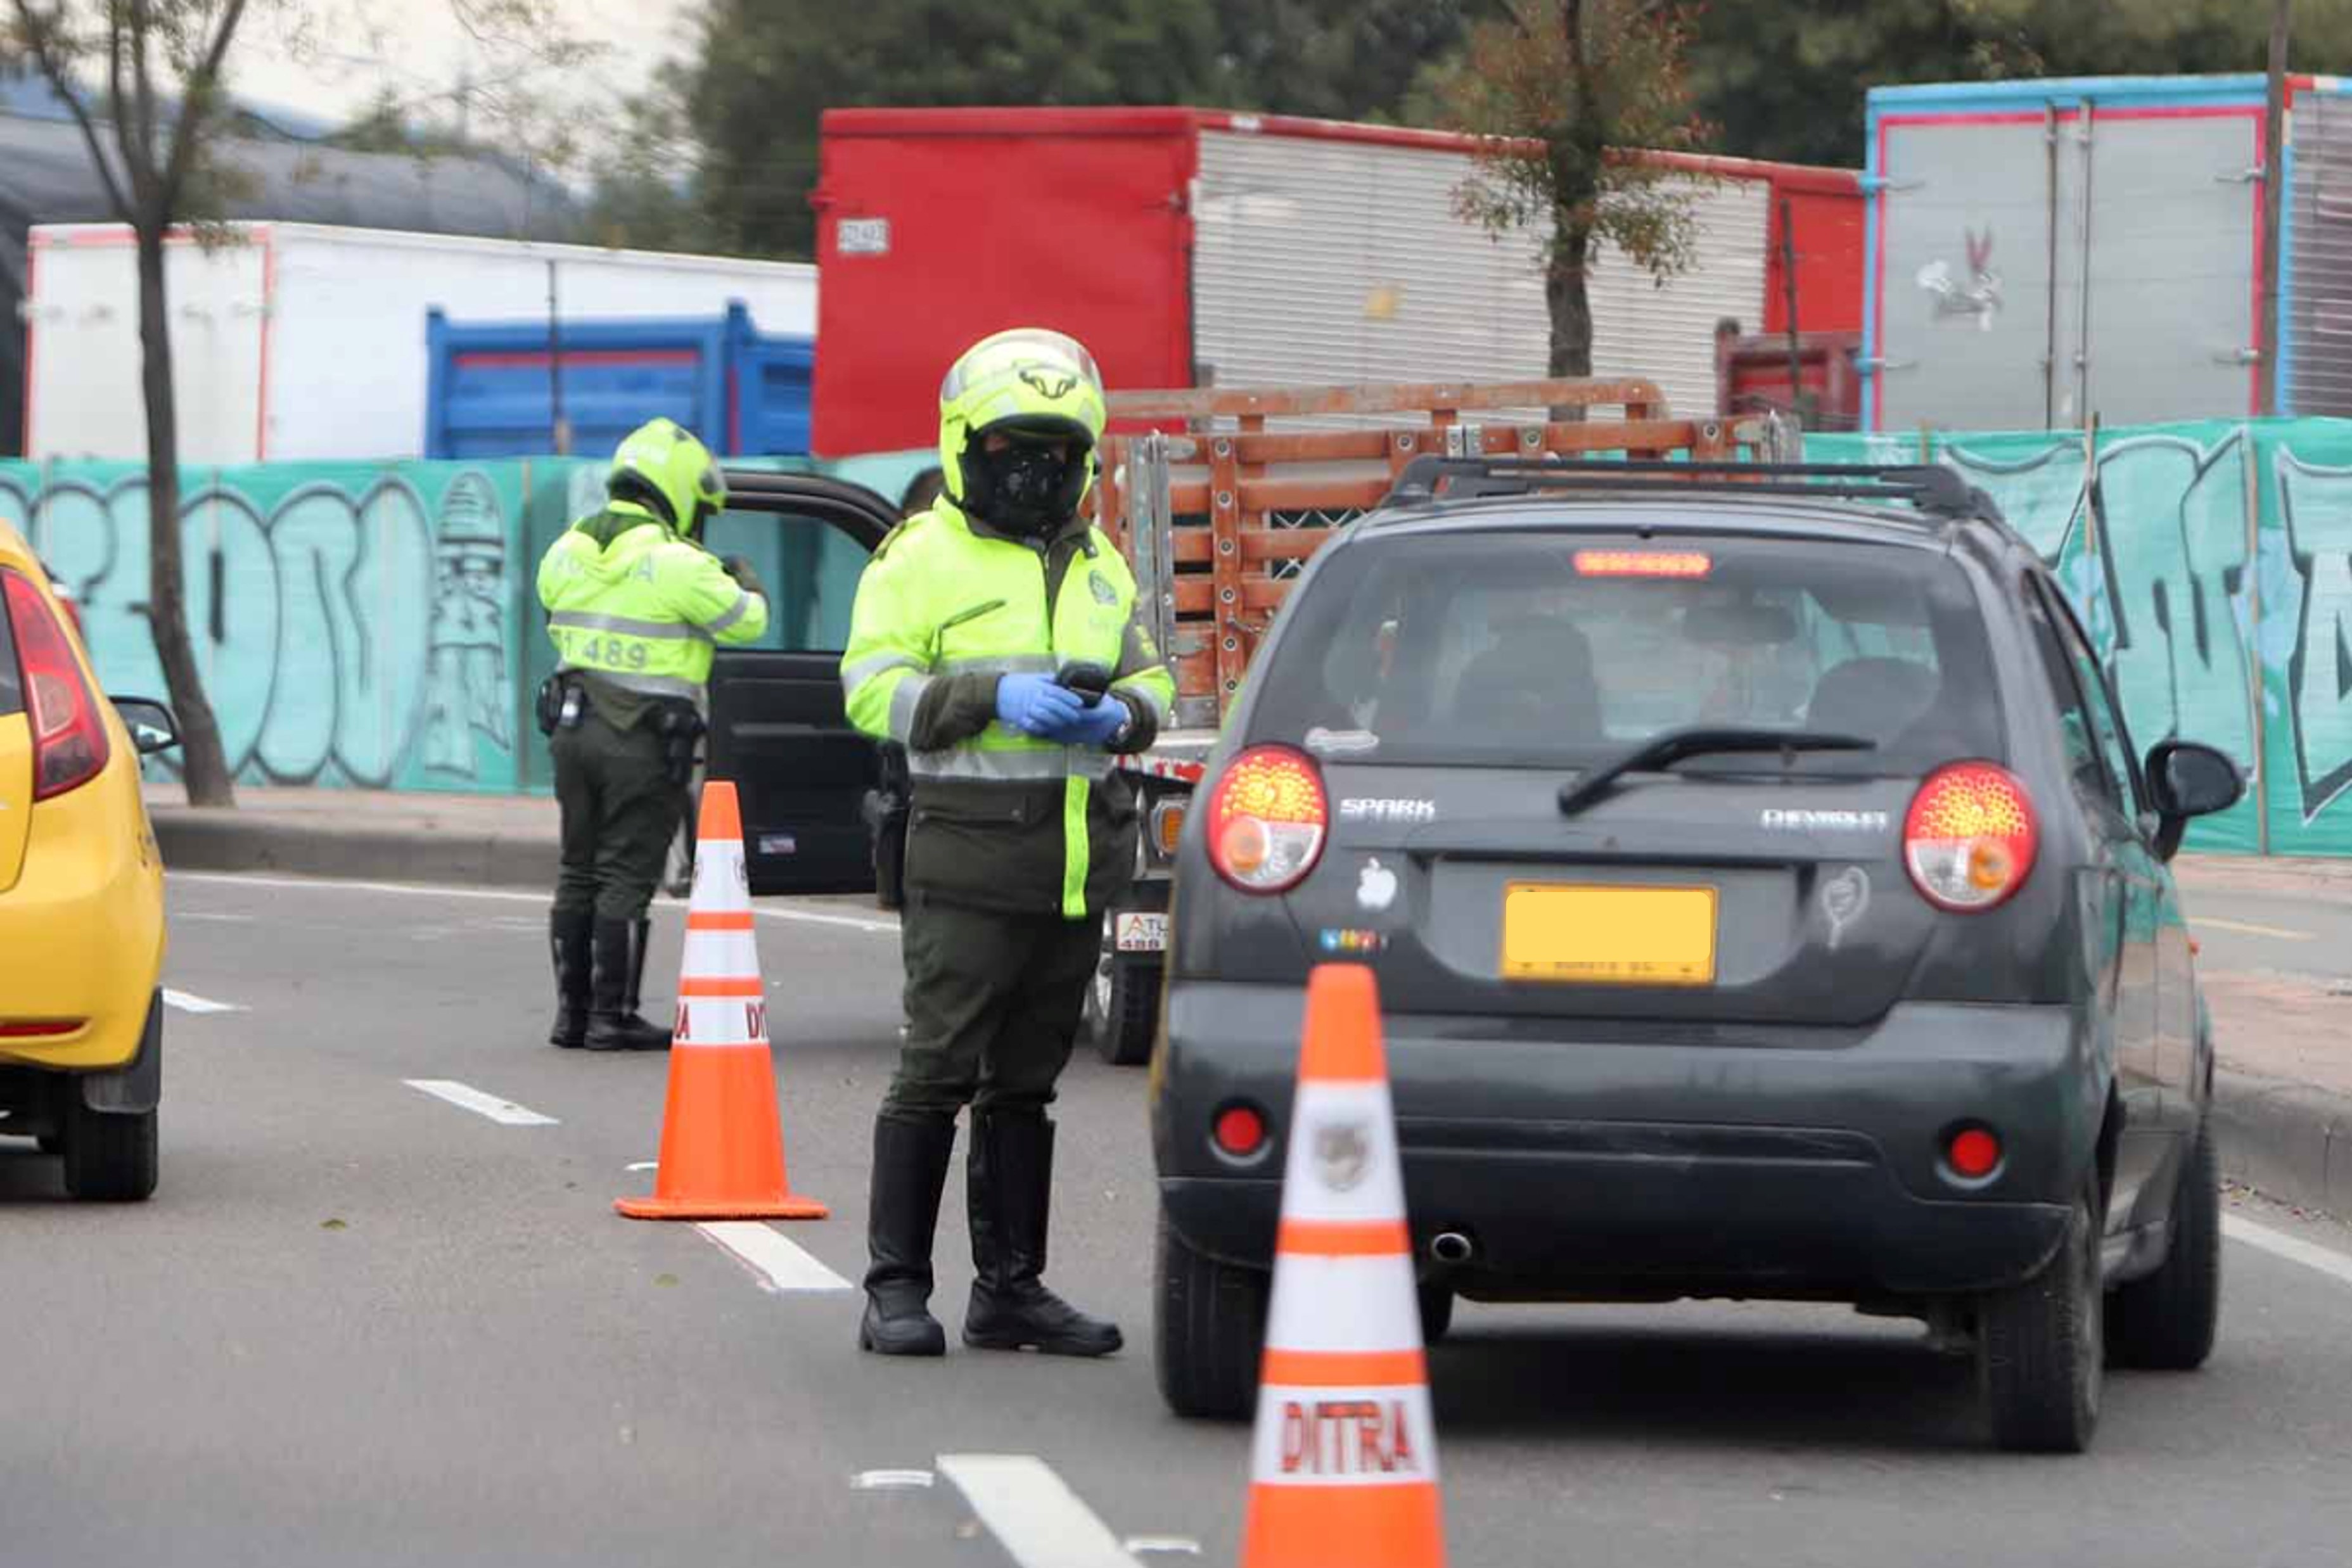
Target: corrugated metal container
[
  {"x": 309, "y": 341},
  {"x": 492, "y": 385},
  {"x": 1191, "y": 248},
  {"x": 2045, "y": 252}
]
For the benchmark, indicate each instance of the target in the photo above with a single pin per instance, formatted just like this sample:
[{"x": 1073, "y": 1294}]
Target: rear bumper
[
  {"x": 1579, "y": 1165},
  {"x": 81, "y": 932}
]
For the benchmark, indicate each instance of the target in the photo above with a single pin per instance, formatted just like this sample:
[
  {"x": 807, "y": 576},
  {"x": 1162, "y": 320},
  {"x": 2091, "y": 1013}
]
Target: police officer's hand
[
  {"x": 1036, "y": 704},
  {"x": 739, "y": 569},
  {"x": 1096, "y": 725}
]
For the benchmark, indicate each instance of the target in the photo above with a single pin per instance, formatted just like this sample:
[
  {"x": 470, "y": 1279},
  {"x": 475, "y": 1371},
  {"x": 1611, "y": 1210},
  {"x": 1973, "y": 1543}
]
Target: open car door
[{"x": 778, "y": 729}]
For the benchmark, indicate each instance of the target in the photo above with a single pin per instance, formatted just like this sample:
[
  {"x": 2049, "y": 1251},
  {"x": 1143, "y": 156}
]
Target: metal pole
[
  {"x": 2083, "y": 323},
  {"x": 2275, "y": 197},
  {"x": 2050, "y": 306},
  {"x": 560, "y": 427},
  {"x": 1797, "y": 398},
  {"x": 2254, "y": 641}
]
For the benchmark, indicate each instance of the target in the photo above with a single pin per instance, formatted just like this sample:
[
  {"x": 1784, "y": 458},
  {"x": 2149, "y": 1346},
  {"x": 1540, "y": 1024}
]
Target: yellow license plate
[{"x": 1609, "y": 935}]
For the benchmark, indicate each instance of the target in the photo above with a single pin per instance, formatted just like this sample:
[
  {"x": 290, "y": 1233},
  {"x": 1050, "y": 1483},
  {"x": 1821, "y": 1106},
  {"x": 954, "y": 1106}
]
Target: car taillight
[
  {"x": 69, "y": 743},
  {"x": 1969, "y": 837},
  {"x": 1268, "y": 818}
]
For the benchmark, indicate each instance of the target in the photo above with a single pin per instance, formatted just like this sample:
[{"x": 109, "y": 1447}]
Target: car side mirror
[
  {"x": 152, "y": 727},
  {"x": 2187, "y": 779}
]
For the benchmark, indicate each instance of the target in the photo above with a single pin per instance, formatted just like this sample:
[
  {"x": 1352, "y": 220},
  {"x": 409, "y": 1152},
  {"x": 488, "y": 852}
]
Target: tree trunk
[
  {"x": 206, "y": 767},
  {"x": 1571, "y": 310}
]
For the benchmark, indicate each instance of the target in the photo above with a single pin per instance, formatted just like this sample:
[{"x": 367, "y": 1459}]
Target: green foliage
[
  {"x": 643, "y": 196},
  {"x": 1787, "y": 78},
  {"x": 1339, "y": 60},
  {"x": 767, "y": 69}
]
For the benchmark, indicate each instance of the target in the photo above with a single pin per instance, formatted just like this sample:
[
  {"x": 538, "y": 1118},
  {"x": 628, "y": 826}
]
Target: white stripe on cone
[
  {"x": 1346, "y": 1304},
  {"x": 1342, "y": 1161}
]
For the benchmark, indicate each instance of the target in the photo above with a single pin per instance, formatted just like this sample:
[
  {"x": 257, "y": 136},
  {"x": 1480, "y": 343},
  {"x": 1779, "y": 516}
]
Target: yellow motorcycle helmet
[
  {"x": 1039, "y": 390},
  {"x": 661, "y": 469}
]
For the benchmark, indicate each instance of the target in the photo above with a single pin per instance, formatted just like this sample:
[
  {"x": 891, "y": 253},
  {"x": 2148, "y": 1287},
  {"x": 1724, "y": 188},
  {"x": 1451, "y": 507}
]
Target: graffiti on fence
[
  {"x": 2215, "y": 573},
  {"x": 353, "y": 626}
]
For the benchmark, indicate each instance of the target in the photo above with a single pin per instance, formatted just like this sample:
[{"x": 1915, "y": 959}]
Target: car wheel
[
  {"x": 2166, "y": 1320},
  {"x": 2040, "y": 1350},
  {"x": 110, "y": 1155},
  {"x": 1436, "y": 1313},
  {"x": 1209, "y": 1330},
  {"x": 1123, "y": 1005}
]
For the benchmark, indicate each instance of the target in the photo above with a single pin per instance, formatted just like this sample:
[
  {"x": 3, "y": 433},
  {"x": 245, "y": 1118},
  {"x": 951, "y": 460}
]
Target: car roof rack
[{"x": 1932, "y": 489}]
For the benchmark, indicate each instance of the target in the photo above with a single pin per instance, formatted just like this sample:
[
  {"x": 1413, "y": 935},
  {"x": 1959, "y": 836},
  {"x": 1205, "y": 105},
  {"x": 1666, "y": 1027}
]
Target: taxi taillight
[{"x": 70, "y": 742}]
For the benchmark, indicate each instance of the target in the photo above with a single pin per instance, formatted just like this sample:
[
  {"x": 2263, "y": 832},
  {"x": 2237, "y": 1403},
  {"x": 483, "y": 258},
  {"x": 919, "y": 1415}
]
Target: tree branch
[
  {"x": 203, "y": 85},
  {"x": 143, "y": 79},
  {"x": 36, "y": 29}
]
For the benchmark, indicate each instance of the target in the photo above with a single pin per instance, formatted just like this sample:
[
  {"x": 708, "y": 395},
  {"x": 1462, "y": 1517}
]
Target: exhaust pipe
[{"x": 1451, "y": 1247}]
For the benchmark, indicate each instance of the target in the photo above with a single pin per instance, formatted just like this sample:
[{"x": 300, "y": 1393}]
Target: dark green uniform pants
[
  {"x": 992, "y": 1006},
  {"x": 620, "y": 811}
]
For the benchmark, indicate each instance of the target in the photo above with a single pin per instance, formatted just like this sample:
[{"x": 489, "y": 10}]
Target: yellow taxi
[{"x": 81, "y": 899}]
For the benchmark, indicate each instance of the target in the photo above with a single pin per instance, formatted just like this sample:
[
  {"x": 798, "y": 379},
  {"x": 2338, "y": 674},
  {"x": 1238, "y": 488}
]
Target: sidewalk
[{"x": 2284, "y": 1096}]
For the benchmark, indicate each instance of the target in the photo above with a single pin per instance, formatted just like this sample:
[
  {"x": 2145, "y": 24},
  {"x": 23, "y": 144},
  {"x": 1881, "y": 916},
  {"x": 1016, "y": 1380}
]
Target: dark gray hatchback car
[{"x": 1767, "y": 902}]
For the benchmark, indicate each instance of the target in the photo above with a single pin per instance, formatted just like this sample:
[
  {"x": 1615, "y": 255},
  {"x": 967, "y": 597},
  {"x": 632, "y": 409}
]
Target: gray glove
[{"x": 739, "y": 569}]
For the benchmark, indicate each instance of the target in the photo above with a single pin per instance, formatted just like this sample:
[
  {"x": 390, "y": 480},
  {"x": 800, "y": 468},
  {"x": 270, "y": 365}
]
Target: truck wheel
[
  {"x": 110, "y": 1155},
  {"x": 2166, "y": 1321},
  {"x": 1123, "y": 1005},
  {"x": 1209, "y": 1330},
  {"x": 2039, "y": 1347}
]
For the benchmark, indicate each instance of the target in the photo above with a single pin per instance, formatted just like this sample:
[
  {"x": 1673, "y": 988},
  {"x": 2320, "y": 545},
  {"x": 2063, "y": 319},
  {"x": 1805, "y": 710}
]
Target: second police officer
[
  {"x": 634, "y": 606},
  {"x": 996, "y": 638}
]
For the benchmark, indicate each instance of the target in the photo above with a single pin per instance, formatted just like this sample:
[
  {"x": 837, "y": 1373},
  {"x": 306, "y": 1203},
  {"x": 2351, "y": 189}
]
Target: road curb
[
  {"x": 2287, "y": 1141},
  {"x": 228, "y": 842}
]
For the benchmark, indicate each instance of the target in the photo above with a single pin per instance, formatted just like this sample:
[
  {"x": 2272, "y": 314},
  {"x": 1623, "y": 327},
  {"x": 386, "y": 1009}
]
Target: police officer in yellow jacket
[
  {"x": 996, "y": 638},
  {"x": 635, "y": 605}
]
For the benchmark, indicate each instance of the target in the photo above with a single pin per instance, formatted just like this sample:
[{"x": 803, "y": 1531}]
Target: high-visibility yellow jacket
[
  {"x": 640, "y": 609},
  {"x": 1001, "y": 820}
]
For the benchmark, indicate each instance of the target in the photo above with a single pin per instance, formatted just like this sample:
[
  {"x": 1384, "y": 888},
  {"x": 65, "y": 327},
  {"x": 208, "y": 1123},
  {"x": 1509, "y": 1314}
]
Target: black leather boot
[
  {"x": 910, "y": 1167},
  {"x": 570, "y": 937},
  {"x": 641, "y": 940},
  {"x": 612, "y": 1020},
  {"x": 1010, "y": 1177}
]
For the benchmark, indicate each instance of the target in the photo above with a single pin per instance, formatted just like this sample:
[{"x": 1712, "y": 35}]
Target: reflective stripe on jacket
[
  {"x": 1001, "y": 818},
  {"x": 631, "y": 602}
]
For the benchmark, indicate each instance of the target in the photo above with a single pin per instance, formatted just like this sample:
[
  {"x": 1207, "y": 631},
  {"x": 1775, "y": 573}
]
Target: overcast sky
[{"x": 417, "y": 48}]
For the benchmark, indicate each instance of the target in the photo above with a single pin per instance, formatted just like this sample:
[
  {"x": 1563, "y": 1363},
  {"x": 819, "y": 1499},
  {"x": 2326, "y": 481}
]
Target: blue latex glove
[
  {"x": 1035, "y": 704},
  {"x": 1094, "y": 726}
]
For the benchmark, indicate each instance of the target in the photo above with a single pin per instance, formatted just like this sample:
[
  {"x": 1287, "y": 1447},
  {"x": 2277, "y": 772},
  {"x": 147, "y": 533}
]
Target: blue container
[{"x": 489, "y": 393}]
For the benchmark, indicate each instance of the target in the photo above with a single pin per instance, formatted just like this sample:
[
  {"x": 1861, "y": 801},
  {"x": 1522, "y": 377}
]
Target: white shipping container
[
  {"x": 301, "y": 341},
  {"x": 1316, "y": 260}
]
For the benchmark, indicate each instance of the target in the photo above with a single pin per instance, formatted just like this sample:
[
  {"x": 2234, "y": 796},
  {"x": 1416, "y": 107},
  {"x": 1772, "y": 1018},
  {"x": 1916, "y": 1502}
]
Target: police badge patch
[
  {"x": 1101, "y": 588},
  {"x": 1342, "y": 1152}
]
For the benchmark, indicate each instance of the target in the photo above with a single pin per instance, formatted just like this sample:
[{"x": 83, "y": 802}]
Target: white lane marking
[
  {"x": 1032, "y": 1512},
  {"x": 2247, "y": 928},
  {"x": 211, "y": 918},
  {"x": 505, "y": 1111},
  {"x": 890, "y": 1480},
  {"x": 504, "y": 896},
  {"x": 780, "y": 1262},
  {"x": 2336, "y": 1266},
  {"x": 1162, "y": 1545},
  {"x": 187, "y": 1003},
  {"x": 643, "y": 1165}
]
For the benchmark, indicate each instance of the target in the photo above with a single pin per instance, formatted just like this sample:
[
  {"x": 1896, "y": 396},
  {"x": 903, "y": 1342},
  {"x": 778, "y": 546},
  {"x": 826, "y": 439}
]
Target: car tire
[
  {"x": 2039, "y": 1346},
  {"x": 1209, "y": 1330},
  {"x": 110, "y": 1155},
  {"x": 1436, "y": 1313},
  {"x": 1123, "y": 1006},
  {"x": 2166, "y": 1321}
]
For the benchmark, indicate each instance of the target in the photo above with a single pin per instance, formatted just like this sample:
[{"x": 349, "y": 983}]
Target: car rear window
[
  {"x": 12, "y": 685},
  {"x": 1559, "y": 648}
]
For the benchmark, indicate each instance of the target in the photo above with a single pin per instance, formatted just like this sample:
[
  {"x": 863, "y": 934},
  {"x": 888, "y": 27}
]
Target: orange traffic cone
[
  {"x": 722, "y": 1149},
  {"x": 1343, "y": 1470}
]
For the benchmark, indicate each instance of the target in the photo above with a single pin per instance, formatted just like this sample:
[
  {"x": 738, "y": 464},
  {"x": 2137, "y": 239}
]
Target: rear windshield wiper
[{"x": 1661, "y": 751}]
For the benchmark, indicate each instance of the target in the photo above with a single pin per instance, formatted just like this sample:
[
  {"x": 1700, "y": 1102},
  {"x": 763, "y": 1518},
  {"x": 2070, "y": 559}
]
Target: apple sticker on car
[{"x": 1376, "y": 885}]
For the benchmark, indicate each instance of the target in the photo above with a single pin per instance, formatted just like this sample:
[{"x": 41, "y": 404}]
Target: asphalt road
[{"x": 365, "y": 1324}]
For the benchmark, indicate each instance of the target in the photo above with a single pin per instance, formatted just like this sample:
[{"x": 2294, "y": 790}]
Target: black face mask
[{"x": 1027, "y": 491}]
